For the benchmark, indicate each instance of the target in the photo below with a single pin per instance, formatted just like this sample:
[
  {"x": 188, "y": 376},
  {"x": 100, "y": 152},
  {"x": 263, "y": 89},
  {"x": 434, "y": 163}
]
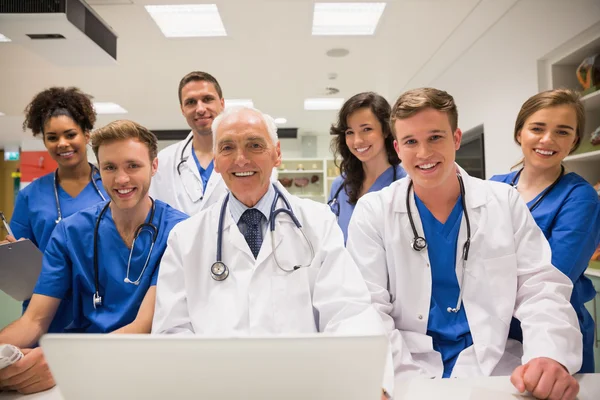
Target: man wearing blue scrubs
[{"x": 128, "y": 236}]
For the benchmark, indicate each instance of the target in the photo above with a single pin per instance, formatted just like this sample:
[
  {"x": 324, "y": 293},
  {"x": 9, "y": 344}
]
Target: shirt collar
[{"x": 237, "y": 208}]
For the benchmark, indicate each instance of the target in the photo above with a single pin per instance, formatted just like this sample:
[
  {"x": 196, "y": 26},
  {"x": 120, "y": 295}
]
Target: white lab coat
[
  {"x": 167, "y": 185},
  {"x": 509, "y": 272},
  {"x": 258, "y": 298}
]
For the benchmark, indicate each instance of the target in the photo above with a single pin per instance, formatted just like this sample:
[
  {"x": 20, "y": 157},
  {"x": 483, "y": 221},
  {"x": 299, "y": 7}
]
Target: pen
[{"x": 6, "y": 224}]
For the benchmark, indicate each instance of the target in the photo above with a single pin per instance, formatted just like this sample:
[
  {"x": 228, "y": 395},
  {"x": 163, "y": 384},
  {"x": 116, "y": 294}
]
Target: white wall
[{"x": 499, "y": 72}]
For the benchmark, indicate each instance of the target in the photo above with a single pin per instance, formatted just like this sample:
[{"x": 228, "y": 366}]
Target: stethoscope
[
  {"x": 515, "y": 179},
  {"x": 58, "y": 209},
  {"x": 153, "y": 230},
  {"x": 334, "y": 200},
  {"x": 198, "y": 192},
  {"x": 419, "y": 243},
  {"x": 219, "y": 270}
]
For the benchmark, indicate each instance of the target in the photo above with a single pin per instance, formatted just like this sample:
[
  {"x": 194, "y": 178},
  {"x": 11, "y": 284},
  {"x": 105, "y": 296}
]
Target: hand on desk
[
  {"x": 28, "y": 375},
  {"x": 545, "y": 379}
]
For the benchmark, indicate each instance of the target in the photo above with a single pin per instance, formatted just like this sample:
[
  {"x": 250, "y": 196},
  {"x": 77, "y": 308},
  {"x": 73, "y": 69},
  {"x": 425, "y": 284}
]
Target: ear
[
  {"x": 154, "y": 166},
  {"x": 397, "y": 147},
  {"x": 519, "y": 137},
  {"x": 87, "y": 137},
  {"x": 222, "y": 103},
  {"x": 277, "y": 154},
  {"x": 457, "y": 136}
]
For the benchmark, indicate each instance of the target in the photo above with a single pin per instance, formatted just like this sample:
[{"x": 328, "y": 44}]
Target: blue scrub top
[
  {"x": 569, "y": 216},
  {"x": 68, "y": 267},
  {"x": 34, "y": 218},
  {"x": 450, "y": 331},
  {"x": 204, "y": 173},
  {"x": 343, "y": 209}
]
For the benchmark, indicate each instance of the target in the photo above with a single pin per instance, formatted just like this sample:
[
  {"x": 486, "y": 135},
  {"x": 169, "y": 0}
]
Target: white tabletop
[{"x": 494, "y": 388}]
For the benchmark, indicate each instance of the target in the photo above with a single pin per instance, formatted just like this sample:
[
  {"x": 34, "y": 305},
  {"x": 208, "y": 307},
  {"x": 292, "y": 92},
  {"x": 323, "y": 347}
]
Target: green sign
[{"x": 11, "y": 156}]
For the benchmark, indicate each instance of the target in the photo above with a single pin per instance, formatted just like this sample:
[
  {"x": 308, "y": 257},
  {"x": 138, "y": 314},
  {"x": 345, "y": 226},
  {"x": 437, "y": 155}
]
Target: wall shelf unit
[{"x": 309, "y": 178}]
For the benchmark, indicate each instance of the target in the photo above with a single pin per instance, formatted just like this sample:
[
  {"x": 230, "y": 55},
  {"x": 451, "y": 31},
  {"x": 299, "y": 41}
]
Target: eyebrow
[
  {"x": 431, "y": 132},
  {"x": 54, "y": 133},
  {"x": 558, "y": 126}
]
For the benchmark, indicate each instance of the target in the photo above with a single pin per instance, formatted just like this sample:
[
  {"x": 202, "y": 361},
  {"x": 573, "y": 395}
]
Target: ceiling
[{"x": 269, "y": 55}]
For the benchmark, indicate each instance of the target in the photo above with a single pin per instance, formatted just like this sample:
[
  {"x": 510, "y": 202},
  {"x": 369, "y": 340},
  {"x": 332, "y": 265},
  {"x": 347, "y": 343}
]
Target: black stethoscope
[
  {"x": 196, "y": 193},
  {"x": 153, "y": 230},
  {"x": 419, "y": 243},
  {"x": 58, "y": 209},
  {"x": 515, "y": 179},
  {"x": 334, "y": 200},
  {"x": 219, "y": 270}
]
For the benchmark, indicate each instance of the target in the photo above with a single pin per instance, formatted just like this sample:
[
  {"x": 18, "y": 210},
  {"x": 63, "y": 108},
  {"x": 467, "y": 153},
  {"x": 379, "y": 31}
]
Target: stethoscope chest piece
[
  {"x": 219, "y": 271},
  {"x": 97, "y": 300},
  {"x": 419, "y": 243}
]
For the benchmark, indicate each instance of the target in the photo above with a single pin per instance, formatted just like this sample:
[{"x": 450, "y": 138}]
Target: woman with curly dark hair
[
  {"x": 64, "y": 117},
  {"x": 364, "y": 142}
]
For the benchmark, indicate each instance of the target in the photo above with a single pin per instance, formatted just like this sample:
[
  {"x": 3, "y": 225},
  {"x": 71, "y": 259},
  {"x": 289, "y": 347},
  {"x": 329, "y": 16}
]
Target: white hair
[{"x": 235, "y": 110}]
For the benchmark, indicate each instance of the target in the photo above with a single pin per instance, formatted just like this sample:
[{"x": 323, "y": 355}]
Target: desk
[{"x": 494, "y": 388}]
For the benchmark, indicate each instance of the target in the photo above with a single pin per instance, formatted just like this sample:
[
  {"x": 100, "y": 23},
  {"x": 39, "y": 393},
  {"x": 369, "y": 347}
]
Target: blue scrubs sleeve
[
  {"x": 20, "y": 223},
  {"x": 55, "y": 277},
  {"x": 575, "y": 236}
]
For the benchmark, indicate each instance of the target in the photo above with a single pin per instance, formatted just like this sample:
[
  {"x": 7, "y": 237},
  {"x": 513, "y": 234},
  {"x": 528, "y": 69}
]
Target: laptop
[{"x": 313, "y": 367}]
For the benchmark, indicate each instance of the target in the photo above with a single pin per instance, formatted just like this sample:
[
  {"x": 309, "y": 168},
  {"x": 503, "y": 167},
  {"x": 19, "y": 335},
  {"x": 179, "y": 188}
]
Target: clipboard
[{"x": 20, "y": 266}]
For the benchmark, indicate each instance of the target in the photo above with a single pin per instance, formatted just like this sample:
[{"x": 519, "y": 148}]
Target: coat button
[{"x": 420, "y": 316}]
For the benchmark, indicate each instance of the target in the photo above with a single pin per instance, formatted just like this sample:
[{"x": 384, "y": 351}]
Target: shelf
[
  {"x": 589, "y": 156},
  {"x": 332, "y": 178},
  {"x": 591, "y": 101},
  {"x": 306, "y": 171},
  {"x": 309, "y": 195}
]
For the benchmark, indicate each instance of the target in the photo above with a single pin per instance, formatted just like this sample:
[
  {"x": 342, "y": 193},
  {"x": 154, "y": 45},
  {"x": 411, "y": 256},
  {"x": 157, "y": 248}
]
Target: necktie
[{"x": 252, "y": 218}]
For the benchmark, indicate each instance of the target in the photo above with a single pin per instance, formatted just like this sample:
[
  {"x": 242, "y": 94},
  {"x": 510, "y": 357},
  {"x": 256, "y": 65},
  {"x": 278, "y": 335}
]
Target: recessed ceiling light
[
  {"x": 1, "y": 114},
  {"x": 280, "y": 120},
  {"x": 109, "y": 108},
  {"x": 346, "y": 18},
  {"x": 323, "y": 104},
  {"x": 4, "y": 38},
  {"x": 239, "y": 103},
  {"x": 188, "y": 20},
  {"x": 337, "y": 52}
]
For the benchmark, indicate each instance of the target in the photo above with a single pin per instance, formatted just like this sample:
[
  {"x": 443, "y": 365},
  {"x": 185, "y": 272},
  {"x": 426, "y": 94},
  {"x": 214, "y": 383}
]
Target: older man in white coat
[
  {"x": 256, "y": 287},
  {"x": 450, "y": 259}
]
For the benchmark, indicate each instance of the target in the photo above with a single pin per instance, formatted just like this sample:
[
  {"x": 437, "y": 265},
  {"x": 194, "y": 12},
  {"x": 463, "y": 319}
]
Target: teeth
[
  {"x": 544, "y": 152},
  {"x": 124, "y": 191},
  {"x": 427, "y": 166},
  {"x": 362, "y": 150},
  {"x": 249, "y": 173},
  {"x": 65, "y": 154}
]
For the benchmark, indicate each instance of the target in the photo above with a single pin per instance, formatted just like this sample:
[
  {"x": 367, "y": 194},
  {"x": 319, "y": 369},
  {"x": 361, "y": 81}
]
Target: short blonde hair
[
  {"x": 415, "y": 100},
  {"x": 125, "y": 129}
]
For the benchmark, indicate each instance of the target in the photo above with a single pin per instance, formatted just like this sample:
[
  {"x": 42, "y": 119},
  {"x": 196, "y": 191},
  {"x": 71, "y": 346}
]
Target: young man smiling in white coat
[
  {"x": 447, "y": 281},
  {"x": 186, "y": 179},
  {"x": 256, "y": 293}
]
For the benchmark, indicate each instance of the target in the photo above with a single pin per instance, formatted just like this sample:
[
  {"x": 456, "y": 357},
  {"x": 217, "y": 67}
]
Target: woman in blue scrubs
[
  {"x": 364, "y": 143},
  {"x": 549, "y": 127},
  {"x": 64, "y": 117}
]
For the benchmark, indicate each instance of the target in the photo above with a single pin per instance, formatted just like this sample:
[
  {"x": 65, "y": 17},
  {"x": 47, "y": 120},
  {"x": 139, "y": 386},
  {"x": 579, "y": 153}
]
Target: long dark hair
[{"x": 351, "y": 167}]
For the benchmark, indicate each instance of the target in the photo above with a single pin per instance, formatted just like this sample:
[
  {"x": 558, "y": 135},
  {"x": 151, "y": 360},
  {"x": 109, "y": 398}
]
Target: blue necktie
[{"x": 252, "y": 218}]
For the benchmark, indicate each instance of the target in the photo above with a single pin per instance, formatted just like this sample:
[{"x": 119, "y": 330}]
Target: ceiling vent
[{"x": 66, "y": 32}]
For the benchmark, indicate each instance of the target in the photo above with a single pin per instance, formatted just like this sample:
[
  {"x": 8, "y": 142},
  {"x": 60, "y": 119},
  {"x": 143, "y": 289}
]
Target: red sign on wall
[{"x": 35, "y": 164}]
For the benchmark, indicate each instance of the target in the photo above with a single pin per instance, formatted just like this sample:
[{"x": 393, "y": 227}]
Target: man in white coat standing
[
  {"x": 450, "y": 259},
  {"x": 225, "y": 272},
  {"x": 186, "y": 179}
]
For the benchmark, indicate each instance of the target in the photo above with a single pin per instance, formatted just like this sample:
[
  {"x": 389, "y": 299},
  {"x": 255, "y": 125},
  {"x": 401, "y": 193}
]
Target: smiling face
[
  {"x": 427, "y": 147},
  {"x": 246, "y": 155},
  {"x": 548, "y": 136},
  {"x": 364, "y": 136},
  {"x": 65, "y": 141},
  {"x": 200, "y": 105},
  {"x": 126, "y": 170}
]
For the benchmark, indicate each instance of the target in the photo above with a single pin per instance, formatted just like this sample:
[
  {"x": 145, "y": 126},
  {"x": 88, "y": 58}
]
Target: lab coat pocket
[
  {"x": 501, "y": 283},
  {"x": 292, "y": 303}
]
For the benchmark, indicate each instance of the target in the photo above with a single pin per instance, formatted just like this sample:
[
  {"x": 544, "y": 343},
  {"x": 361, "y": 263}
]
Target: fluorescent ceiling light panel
[
  {"x": 109, "y": 108},
  {"x": 280, "y": 120},
  {"x": 346, "y": 18},
  {"x": 188, "y": 20},
  {"x": 1, "y": 114},
  {"x": 4, "y": 38},
  {"x": 323, "y": 104},
  {"x": 239, "y": 103}
]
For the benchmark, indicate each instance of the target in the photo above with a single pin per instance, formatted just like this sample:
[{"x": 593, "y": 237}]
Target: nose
[
  {"x": 200, "y": 108},
  {"x": 240, "y": 158},
  {"x": 122, "y": 177},
  {"x": 424, "y": 151},
  {"x": 547, "y": 137},
  {"x": 62, "y": 141}
]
